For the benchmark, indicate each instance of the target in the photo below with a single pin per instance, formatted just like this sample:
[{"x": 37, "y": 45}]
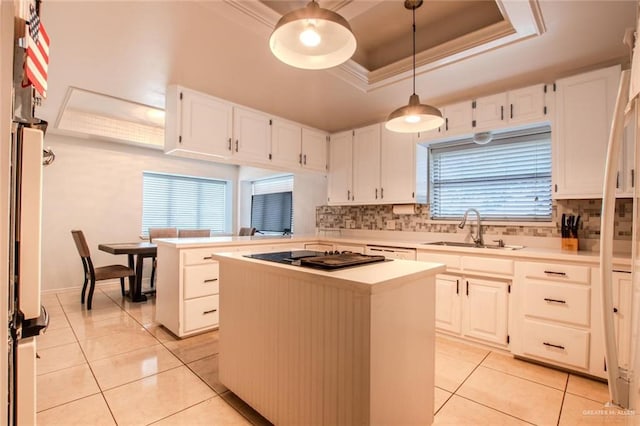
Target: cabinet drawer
[
  {"x": 452, "y": 261},
  {"x": 198, "y": 256},
  {"x": 201, "y": 313},
  {"x": 557, "y": 272},
  {"x": 201, "y": 280},
  {"x": 487, "y": 264},
  {"x": 559, "y": 344},
  {"x": 569, "y": 303}
]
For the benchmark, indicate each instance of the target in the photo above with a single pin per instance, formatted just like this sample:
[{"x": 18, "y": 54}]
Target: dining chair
[
  {"x": 246, "y": 232},
  {"x": 93, "y": 274},
  {"x": 159, "y": 233},
  {"x": 193, "y": 233}
]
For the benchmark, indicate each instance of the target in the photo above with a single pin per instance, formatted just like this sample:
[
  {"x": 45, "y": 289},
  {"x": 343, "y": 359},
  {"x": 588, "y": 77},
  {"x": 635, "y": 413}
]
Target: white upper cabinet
[
  {"x": 252, "y": 135},
  {"x": 458, "y": 118},
  {"x": 400, "y": 159},
  {"x": 197, "y": 123},
  {"x": 584, "y": 110},
  {"x": 314, "y": 150},
  {"x": 366, "y": 164},
  {"x": 340, "y": 168},
  {"x": 626, "y": 169},
  {"x": 286, "y": 138},
  {"x": 513, "y": 108}
]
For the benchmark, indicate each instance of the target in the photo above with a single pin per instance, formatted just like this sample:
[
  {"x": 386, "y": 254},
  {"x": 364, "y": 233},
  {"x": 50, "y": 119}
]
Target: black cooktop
[{"x": 319, "y": 260}]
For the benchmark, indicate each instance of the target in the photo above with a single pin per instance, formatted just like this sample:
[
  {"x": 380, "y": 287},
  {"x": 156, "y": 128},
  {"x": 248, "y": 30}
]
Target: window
[
  {"x": 508, "y": 179},
  {"x": 272, "y": 204},
  {"x": 183, "y": 202}
]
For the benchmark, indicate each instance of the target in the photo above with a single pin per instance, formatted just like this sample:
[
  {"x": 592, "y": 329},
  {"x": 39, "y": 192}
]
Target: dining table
[{"x": 139, "y": 251}]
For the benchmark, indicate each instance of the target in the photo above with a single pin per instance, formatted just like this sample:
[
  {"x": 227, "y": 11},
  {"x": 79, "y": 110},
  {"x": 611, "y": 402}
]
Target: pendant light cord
[{"x": 414, "y": 50}]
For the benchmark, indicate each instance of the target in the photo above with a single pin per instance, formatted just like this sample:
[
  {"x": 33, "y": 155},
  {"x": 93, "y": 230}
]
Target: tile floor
[{"x": 115, "y": 365}]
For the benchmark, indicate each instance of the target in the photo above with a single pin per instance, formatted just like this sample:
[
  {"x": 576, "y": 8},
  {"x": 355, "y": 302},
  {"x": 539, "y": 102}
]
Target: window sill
[{"x": 487, "y": 222}]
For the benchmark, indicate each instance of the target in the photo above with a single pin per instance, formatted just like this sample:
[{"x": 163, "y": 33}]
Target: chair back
[
  {"x": 162, "y": 233},
  {"x": 81, "y": 243},
  {"x": 246, "y": 232},
  {"x": 193, "y": 233}
]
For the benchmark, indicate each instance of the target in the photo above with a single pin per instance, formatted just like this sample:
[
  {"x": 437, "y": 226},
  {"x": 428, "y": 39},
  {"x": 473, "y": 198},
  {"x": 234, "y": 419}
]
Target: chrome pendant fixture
[
  {"x": 312, "y": 38},
  {"x": 415, "y": 117}
]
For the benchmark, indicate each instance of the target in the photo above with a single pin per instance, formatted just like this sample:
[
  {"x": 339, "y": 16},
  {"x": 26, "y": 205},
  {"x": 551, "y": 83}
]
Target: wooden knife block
[{"x": 570, "y": 244}]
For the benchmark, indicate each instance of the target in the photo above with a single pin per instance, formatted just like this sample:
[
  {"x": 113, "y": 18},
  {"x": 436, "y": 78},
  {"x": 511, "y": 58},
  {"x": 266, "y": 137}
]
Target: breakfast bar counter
[{"x": 307, "y": 346}]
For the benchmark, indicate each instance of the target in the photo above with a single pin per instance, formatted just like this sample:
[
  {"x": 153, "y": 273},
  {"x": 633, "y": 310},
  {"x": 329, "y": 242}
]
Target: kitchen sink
[{"x": 473, "y": 245}]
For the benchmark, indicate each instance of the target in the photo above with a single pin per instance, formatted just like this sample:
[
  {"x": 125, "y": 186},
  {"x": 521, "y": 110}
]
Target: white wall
[{"x": 96, "y": 186}]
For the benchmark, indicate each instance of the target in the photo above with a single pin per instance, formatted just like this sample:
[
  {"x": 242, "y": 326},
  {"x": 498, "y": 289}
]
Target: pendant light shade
[
  {"x": 415, "y": 117},
  {"x": 312, "y": 38}
]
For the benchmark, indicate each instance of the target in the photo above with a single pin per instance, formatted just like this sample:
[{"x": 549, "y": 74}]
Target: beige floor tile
[
  {"x": 57, "y": 320},
  {"x": 451, "y": 372},
  {"x": 92, "y": 410},
  {"x": 440, "y": 397},
  {"x": 50, "y": 300},
  {"x": 207, "y": 370},
  {"x": 59, "y": 357},
  {"x": 144, "y": 313},
  {"x": 64, "y": 386},
  {"x": 587, "y": 388},
  {"x": 156, "y": 397},
  {"x": 131, "y": 366},
  {"x": 100, "y": 301},
  {"x": 518, "y": 397},
  {"x": 252, "y": 415},
  {"x": 161, "y": 333},
  {"x": 56, "y": 337},
  {"x": 96, "y": 314},
  {"x": 527, "y": 370},
  {"x": 112, "y": 325},
  {"x": 116, "y": 344},
  {"x": 214, "y": 411},
  {"x": 196, "y": 347},
  {"x": 459, "y": 350},
  {"x": 462, "y": 412},
  {"x": 581, "y": 411}
]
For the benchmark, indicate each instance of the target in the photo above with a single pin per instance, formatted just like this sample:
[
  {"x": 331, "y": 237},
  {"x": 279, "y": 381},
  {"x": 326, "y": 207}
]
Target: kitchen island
[{"x": 306, "y": 346}]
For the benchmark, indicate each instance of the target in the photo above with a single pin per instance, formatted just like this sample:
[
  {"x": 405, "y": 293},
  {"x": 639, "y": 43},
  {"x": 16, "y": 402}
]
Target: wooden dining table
[{"x": 139, "y": 250}]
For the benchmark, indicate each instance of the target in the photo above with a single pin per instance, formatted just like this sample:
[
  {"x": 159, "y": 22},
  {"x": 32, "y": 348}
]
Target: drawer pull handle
[
  {"x": 561, "y": 274},
  {"x": 546, "y": 299},
  {"x": 207, "y": 258},
  {"x": 211, "y": 280},
  {"x": 552, "y": 345},
  {"x": 209, "y": 312}
]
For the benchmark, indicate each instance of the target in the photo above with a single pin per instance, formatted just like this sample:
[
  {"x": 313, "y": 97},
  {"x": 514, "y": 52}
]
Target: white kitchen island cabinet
[{"x": 354, "y": 346}]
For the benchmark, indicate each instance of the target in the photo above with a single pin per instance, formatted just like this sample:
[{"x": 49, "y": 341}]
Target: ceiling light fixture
[
  {"x": 415, "y": 117},
  {"x": 482, "y": 138},
  {"x": 312, "y": 38}
]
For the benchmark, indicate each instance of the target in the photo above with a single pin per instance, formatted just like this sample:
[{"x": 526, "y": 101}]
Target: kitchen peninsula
[{"x": 306, "y": 346}]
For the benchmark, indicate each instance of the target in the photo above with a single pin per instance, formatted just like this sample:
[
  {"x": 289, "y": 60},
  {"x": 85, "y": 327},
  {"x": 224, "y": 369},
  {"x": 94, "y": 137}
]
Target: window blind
[
  {"x": 508, "y": 179},
  {"x": 183, "y": 202},
  {"x": 272, "y": 204}
]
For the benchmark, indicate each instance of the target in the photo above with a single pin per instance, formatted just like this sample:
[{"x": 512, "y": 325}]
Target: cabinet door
[
  {"x": 458, "y": 118},
  {"x": 397, "y": 167},
  {"x": 527, "y": 105},
  {"x": 314, "y": 150},
  {"x": 340, "y": 168},
  {"x": 252, "y": 135},
  {"x": 626, "y": 168},
  {"x": 622, "y": 315},
  {"x": 366, "y": 164},
  {"x": 489, "y": 112},
  {"x": 485, "y": 307},
  {"x": 286, "y": 138},
  {"x": 584, "y": 110},
  {"x": 448, "y": 303},
  {"x": 205, "y": 124}
]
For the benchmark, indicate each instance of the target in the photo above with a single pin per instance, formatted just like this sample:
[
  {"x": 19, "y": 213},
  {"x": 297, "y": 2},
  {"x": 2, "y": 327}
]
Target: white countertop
[{"x": 371, "y": 275}]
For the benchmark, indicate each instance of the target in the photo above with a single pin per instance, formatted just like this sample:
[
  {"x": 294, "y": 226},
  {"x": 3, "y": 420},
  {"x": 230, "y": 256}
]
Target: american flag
[{"x": 37, "y": 61}]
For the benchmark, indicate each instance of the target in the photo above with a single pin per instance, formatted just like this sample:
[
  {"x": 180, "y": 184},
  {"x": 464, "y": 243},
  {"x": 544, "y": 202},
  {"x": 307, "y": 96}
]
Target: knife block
[{"x": 570, "y": 244}]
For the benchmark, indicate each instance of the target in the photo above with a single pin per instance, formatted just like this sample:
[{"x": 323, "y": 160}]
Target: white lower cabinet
[
  {"x": 448, "y": 304},
  {"x": 622, "y": 315},
  {"x": 485, "y": 309},
  {"x": 553, "y": 321}
]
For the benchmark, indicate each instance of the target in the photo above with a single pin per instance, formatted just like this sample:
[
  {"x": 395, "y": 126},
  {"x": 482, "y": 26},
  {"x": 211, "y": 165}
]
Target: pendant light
[
  {"x": 312, "y": 38},
  {"x": 415, "y": 117}
]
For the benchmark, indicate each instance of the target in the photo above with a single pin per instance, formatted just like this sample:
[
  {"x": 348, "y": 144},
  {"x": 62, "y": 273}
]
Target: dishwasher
[{"x": 392, "y": 252}]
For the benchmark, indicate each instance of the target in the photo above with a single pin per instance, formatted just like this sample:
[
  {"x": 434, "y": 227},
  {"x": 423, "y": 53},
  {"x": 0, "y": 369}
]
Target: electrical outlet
[{"x": 391, "y": 224}]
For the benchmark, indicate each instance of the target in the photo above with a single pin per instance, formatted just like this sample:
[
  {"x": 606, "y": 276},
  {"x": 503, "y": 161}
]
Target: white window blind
[
  {"x": 183, "y": 202},
  {"x": 272, "y": 204},
  {"x": 508, "y": 179}
]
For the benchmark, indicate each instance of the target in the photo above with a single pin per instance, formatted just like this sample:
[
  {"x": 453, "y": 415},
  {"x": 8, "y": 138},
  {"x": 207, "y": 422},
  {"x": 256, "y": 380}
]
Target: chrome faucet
[{"x": 478, "y": 240}]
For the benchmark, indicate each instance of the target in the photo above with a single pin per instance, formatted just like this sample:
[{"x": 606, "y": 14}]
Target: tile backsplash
[{"x": 381, "y": 217}]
